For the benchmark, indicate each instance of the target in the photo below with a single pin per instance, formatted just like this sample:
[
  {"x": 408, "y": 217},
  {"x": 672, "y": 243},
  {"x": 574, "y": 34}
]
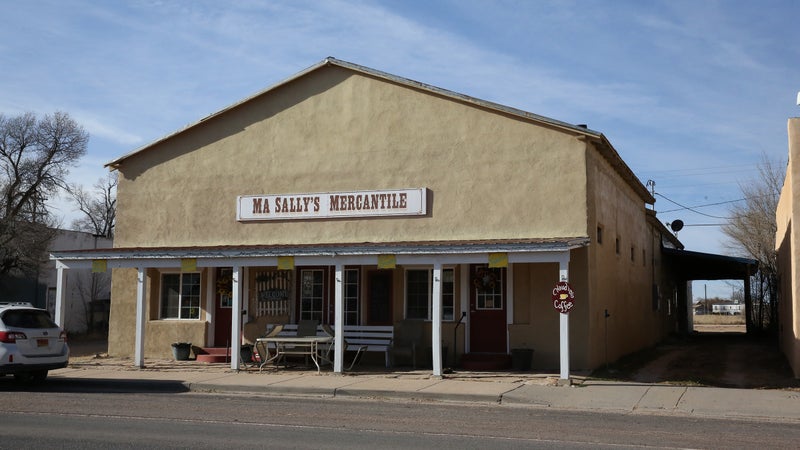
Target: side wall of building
[
  {"x": 789, "y": 253},
  {"x": 625, "y": 271}
]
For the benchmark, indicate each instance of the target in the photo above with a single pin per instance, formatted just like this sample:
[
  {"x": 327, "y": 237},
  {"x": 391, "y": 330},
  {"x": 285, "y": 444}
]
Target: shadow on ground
[{"x": 731, "y": 360}]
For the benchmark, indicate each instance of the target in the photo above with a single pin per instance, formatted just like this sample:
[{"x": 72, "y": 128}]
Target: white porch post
[
  {"x": 236, "y": 318},
  {"x": 141, "y": 310},
  {"x": 436, "y": 327},
  {"x": 61, "y": 293},
  {"x": 338, "y": 320},
  {"x": 563, "y": 272}
]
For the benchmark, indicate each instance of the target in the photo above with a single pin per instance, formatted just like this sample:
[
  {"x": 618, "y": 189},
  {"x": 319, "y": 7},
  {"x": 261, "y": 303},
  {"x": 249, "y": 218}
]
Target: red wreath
[{"x": 484, "y": 280}]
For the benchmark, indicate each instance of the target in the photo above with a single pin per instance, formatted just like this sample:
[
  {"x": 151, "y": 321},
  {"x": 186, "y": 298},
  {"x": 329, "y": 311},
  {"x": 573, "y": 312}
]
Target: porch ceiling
[
  {"x": 708, "y": 266},
  {"x": 223, "y": 255}
]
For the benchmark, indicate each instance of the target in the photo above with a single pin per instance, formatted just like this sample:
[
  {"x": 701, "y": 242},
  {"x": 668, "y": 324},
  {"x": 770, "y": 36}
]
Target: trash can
[
  {"x": 246, "y": 353},
  {"x": 181, "y": 350},
  {"x": 521, "y": 359}
]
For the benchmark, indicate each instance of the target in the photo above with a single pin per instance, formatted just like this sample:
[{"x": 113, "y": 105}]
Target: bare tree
[
  {"x": 99, "y": 207},
  {"x": 751, "y": 228},
  {"x": 35, "y": 157}
]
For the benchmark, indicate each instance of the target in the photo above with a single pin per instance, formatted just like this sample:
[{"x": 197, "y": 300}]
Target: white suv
[{"x": 30, "y": 342}]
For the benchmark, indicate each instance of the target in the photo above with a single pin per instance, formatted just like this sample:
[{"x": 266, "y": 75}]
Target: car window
[{"x": 28, "y": 318}]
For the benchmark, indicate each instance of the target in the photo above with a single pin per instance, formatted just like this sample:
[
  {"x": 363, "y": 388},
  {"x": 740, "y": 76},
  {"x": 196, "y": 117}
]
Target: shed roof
[{"x": 708, "y": 266}]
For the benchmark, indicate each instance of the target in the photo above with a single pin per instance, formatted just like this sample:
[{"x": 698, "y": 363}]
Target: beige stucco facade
[
  {"x": 789, "y": 252},
  {"x": 492, "y": 175}
]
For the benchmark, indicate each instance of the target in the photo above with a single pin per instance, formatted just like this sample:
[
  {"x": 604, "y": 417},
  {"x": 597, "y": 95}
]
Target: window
[
  {"x": 351, "y": 316},
  {"x": 599, "y": 234},
  {"x": 419, "y": 286},
  {"x": 633, "y": 254},
  {"x": 616, "y": 245},
  {"x": 311, "y": 290},
  {"x": 448, "y": 294},
  {"x": 488, "y": 284},
  {"x": 180, "y": 296}
]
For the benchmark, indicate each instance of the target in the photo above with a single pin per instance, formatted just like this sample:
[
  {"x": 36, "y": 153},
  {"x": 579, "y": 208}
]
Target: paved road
[{"x": 96, "y": 420}]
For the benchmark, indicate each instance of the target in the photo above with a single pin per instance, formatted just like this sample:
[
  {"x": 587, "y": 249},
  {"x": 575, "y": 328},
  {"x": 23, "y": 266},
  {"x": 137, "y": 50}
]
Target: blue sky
[{"x": 691, "y": 93}]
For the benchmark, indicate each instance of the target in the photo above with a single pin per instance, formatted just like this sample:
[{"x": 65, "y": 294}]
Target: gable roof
[{"x": 601, "y": 142}]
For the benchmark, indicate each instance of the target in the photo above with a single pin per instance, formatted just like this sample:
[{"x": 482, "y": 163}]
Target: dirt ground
[
  {"x": 714, "y": 355},
  {"x": 719, "y": 355}
]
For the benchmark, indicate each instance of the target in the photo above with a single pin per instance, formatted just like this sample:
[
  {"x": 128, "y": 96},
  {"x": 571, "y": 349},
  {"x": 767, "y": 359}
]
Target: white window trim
[
  {"x": 180, "y": 295},
  {"x": 358, "y": 293},
  {"x": 430, "y": 296},
  {"x": 300, "y": 310}
]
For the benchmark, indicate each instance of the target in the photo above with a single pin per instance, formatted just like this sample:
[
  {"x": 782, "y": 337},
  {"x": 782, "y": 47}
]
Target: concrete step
[
  {"x": 213, "y": 354},
  {"x": 485, "y": 361}
]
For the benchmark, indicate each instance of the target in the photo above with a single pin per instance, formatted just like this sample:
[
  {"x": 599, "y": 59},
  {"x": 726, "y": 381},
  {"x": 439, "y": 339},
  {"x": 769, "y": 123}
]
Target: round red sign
[{"x": 563, "y": 297}]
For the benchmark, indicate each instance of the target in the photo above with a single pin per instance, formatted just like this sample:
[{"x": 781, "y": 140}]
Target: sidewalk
[{"x": 513, "y": 389}]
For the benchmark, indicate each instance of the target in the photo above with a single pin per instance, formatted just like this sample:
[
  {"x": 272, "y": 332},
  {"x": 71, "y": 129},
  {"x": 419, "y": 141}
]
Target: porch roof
[
  {"x": 224, "y": 254},
  {"x": 708, "y": 266}
]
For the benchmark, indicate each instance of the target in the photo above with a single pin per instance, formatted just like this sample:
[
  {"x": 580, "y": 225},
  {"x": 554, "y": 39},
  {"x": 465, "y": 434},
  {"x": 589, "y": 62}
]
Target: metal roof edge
[
  {"x": 610, "y": 153},
  {"x": 737, "y": 259},
  {"x": 463, "y": 97},
  {"x": 112, "y": 164},
  {"x": 421, "y": 248},
  {"x": 331, "y": 61}
]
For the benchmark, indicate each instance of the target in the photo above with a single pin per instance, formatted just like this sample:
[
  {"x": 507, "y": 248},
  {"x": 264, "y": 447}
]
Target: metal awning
[
  {"x": 708, "y": 266},
  {"x": 519, "y": 250}
]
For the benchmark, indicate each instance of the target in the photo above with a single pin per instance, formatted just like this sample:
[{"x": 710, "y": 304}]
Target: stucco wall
[
  {"x": 489, "y": 175},
  {"x": 159, "y": 334},
  {"x": 536, "y": 324},
  {"x": 788, "y": 253},
  {"x": 623, "y": 265}
]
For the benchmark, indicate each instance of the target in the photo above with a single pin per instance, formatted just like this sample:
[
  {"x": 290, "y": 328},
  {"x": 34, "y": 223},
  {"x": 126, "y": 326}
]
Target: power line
[
  {"x": 703, "y": 206},
  {"x": 689, "y": 208}
]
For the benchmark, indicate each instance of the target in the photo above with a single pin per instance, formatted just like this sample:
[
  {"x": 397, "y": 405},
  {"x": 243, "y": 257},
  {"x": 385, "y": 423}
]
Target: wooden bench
[{"x": 359, "y": 338}]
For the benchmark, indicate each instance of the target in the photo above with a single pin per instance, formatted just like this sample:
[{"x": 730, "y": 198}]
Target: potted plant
[{"x": 181, "y": 350}]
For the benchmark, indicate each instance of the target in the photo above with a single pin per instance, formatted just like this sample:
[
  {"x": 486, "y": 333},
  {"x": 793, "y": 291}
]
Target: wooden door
[
  {"x": 487, "y": 319},
  {"x": 223, "y": 308}
]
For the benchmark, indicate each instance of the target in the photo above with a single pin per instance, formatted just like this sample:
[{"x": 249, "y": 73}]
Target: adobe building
[
  {"x": 788, "y": 249},
  {"x": 355, "y": 197}
]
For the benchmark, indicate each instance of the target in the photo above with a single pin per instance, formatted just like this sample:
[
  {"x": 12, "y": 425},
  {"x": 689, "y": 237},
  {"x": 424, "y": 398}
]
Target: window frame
[
  {"x": 162, "y": 296},
  {"x": 301, "y": 296},
  {"x": 446, "y": 296},
  {"x": 354, "y": 299}
]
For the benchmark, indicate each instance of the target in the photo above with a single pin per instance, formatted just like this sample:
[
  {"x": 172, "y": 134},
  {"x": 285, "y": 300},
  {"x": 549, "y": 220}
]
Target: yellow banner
[
  {"x": 498, "y": 259},
  {"x": 189, "y": 265},
  {"x": 99, "y": 265},
  {"x": 285, "y": 262},
  {"x": 387, "y": 261}
]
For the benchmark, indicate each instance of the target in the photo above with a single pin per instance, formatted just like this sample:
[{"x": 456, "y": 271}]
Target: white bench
[{"x": 359, "y": 338}]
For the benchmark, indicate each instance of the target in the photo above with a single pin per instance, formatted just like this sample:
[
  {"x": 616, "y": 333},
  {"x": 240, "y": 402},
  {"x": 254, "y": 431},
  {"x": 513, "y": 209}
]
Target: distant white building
[
  {"x": 728, "y": 309},
  {"x": 88, "y": 293}
]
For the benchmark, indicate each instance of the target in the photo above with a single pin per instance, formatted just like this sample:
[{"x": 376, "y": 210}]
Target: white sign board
[{"x": 327, "y": 205}]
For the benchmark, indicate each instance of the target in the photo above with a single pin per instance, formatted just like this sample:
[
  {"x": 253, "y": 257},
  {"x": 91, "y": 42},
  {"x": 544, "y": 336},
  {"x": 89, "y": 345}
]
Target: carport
[{"x": 690, "y": 266}]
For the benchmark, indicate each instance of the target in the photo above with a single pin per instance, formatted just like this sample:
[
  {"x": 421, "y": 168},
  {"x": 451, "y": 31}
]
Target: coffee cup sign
[{"x": 563, "y": 297}]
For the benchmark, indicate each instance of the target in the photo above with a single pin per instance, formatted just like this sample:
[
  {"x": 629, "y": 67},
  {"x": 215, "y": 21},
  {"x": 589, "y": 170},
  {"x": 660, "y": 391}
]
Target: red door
[
  {"x": 487, "y": 318},
  {"x": 223, "y": 308}
]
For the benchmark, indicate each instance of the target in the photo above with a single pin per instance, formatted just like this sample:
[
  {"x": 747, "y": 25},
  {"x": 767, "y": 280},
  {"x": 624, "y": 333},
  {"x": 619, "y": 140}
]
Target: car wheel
[
  {"x": 23, "y": 377},
  {"x": 39, "y": 376}
]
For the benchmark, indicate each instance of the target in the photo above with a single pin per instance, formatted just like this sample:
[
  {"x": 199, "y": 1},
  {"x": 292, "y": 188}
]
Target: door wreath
[{"x": 484, "y": 280}]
